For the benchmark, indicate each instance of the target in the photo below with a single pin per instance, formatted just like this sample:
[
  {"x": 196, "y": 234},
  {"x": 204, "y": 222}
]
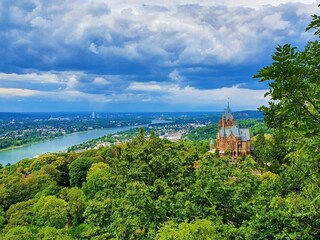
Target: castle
[{"x": 231, "y": 138}]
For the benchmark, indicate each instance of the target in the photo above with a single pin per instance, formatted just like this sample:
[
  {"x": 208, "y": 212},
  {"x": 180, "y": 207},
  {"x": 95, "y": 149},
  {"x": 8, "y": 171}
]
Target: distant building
[
  {"x": 231, "y": 138},
  {"x": 93, "y": 115}
]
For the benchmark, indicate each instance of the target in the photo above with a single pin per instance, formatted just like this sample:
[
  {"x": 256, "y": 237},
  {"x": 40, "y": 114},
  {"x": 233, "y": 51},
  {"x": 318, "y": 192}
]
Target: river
[{"x": 57, "y": 144}]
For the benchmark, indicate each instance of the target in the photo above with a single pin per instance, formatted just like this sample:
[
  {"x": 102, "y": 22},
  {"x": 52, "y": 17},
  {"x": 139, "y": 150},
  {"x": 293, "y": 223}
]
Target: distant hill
[{"x": 187, "y": 115}]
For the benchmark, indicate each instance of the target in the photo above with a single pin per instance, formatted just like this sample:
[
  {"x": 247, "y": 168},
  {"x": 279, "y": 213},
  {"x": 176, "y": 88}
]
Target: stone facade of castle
[{"x": 230, "y": 138}]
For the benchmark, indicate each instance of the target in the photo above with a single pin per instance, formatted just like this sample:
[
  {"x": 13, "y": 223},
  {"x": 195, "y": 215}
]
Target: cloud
[
  {"x": 93, "y": 48},
  {"x": 18, "y": 92},
  {"x": 175, "y": 76},
  {"x": 67, "y": 95},
  {"x": 31, "y": 77},
  {"x": 174, "y": 94},
  {"x": 101, "y": 81},
  {"x": 97, "y": 37},
  {"x": 81, "y": 96},
  {"x": 275, "y": 21},
  {"x": 72, "y": 82},
  {"x": 161, "y": 5},
  {"x": 67, "y": 80},
  {"x": 240, "y": 97},
  {"x": 140, "y": 86},
  {"x": 166, "y": 93},
  {"x": 184, "y": 52}
]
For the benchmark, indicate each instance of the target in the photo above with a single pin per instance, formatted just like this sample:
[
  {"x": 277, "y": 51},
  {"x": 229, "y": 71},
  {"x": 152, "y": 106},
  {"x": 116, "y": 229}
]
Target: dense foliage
[
  {"x": 293, "y": 151},
  {"x": 202, "y": 133},
  {"x": 150, "y": 189}
]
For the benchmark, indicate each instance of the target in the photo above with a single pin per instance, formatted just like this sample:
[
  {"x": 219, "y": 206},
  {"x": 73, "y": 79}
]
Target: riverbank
[
  {"x": 52, "y": 138},
  {"x": 32, "y": 142},
  {"x": 14, "y": 154},
  {"x": 15, "y": 147}
]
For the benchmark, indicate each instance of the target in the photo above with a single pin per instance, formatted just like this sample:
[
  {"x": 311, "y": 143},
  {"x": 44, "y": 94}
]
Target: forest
[
  {"x": 153, "y": 189},
  {"x": 157, "y": 189}
]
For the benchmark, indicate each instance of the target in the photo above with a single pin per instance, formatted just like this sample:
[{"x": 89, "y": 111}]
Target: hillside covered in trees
[{"x": 150, "y": 189}]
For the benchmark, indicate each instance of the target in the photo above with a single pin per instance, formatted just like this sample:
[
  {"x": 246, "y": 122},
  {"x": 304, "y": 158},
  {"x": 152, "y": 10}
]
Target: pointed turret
[{"x": 227, "y": 112}]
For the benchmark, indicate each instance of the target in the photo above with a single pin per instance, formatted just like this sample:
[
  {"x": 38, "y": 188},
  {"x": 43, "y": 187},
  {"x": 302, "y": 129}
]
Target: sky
[{"x": 142, "y": 56}]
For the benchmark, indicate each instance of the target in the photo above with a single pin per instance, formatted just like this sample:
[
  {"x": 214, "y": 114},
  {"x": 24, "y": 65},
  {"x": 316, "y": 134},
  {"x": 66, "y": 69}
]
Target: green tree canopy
[
  {"x": 78, "y": 171},
  {"x": 50, "y": 212}
]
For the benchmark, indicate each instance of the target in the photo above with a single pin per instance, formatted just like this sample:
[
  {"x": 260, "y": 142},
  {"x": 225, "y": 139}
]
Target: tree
[
  {"x": 50, "y": 233},
  {"x": 19, "y": 214},
  {"x": 291, "y": 209},
  {"x": 50, "y": 212},
  {"x": 12, "y": 190},
  {"x": 19, "y": 233},
  {"x": 78, "y": 171},
  {"x": 76, "y": 204},
  {"x": 152, "y": 135},
  {"x": 294, "y": 87},
  {"x": 294, "y": 108},
  {"x": 140, "y": 137},
  {"x": 196, "y": 230},
  {"x": 36, "y": 182},
  {"x": 98, "y": 216},
  {"x": 2, "y": 218},
  {"x": 98, "y": 178},
  {"x": 260, "y": 148}
]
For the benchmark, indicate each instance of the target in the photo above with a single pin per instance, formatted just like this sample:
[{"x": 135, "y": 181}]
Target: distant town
[{"x": 17, "y": 129}]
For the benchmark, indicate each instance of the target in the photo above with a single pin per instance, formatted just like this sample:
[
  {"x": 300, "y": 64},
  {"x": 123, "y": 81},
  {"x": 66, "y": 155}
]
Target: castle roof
[
  {"x": 243, "y": 133},
  {"x": 227, "y": 131}
]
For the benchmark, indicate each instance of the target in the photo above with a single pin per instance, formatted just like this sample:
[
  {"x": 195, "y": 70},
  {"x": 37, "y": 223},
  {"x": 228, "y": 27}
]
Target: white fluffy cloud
[
  {"x": 140, "y": 86},
  {"x": 30, "y": 77},
  {"x": 153, "y": 92},
  {"x": 169, "y": 33},
  {"x": 59, "y": 81},
  {"x": 242, "y": 98},
  {"x": 275, "y": 21},
  {"x": 171, "y": 93},
  {"x": 67, "y": 95},
  {"x": 18, "y": 92},
  {"x": 101, "y": 81},
  {"x": 231, "y": 3}
]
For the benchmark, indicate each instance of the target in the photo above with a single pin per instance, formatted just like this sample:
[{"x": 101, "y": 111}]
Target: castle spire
[{"x": 228, "y": 113}]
